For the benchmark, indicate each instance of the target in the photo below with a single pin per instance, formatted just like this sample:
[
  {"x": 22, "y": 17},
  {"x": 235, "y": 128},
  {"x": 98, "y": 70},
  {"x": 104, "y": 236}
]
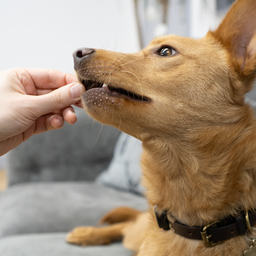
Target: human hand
[{"x": 33, "y": 101}]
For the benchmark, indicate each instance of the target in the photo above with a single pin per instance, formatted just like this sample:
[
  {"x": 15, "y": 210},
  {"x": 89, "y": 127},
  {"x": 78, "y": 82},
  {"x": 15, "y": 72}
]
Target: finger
[
  {"x": 59, "y": 112},
  {"x": 79, "y": 104},
  {"x": 56, "y": 122},
  {"x": 50, "y": 79},
  {"x": 69, "y": 111},
  {"x": 48, "y": 123},
  {"x": 42, "y": 92},
  {"x": 58, "y": 99},
  {"x": 69, "y": 115}
]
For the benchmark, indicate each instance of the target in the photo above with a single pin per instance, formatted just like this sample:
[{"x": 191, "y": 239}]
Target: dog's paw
[{"x": 87, "y": 236}]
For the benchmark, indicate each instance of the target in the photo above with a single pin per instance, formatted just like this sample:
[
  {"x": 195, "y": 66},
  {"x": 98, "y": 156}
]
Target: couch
[{"x": 59, "y": 180}]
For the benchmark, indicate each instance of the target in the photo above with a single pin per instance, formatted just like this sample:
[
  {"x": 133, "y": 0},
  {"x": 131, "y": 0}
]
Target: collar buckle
[
  {"x": 206, "y": 237},
  {"x": 162, "y": 219}
]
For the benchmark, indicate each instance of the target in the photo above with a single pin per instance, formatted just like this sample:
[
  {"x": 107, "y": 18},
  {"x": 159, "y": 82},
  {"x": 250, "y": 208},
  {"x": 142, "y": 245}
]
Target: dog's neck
[{"x": 204, "y": 176}]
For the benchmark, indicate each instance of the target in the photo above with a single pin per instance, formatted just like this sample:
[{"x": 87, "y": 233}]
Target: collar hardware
[
  {"x": 162, "y": 219},
  {"x": 206, "y": 237},
  {"x": 247, "y": 220}
]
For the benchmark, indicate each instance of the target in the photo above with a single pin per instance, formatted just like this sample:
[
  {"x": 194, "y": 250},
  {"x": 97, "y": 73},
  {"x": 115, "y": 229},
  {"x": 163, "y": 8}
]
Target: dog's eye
[{"x": 166, "y": 51}]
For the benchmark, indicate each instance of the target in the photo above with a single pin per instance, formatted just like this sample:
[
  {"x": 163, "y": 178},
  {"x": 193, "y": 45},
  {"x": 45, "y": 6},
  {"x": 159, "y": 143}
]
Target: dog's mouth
[{"x": 114, "y": 90}]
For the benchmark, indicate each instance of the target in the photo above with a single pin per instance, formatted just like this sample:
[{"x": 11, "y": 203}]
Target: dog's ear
[{"x": 237, "y": 33}]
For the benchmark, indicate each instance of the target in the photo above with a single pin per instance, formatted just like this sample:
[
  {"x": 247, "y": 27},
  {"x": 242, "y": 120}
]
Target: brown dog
[{"x": 184, "y": 99}]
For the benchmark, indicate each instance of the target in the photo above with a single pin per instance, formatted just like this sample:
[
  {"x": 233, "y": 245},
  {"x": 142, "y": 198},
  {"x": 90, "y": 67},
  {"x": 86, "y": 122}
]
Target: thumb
[{"x": 58, "y": 99}]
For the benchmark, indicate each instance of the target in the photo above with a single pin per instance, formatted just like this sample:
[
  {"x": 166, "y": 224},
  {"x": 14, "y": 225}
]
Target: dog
[{"x": 184, "y": 99}]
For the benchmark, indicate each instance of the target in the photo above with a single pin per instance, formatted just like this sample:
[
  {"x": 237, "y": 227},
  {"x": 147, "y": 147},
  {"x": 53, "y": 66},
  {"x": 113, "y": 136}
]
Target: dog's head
[{"x": 175, "y": 84}]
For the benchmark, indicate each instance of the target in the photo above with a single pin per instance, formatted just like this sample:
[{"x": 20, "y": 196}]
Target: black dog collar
[{"x": 213, "y": 233}]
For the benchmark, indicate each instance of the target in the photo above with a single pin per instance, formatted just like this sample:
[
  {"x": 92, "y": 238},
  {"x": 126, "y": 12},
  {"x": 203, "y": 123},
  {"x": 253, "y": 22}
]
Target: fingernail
[
  {"x": 77, "y": 90},
  {"x": 58, "y": 122}
]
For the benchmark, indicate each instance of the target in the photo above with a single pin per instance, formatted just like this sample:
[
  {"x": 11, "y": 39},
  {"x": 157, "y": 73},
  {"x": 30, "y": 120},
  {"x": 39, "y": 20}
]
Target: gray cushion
[
  {"x": 76, "y": 152},
  {"x": 252, "y": 94},
  {"x": 54, "y": 245},
  {"x": 59, "y": 207},
  {"x": 124, "y": 169}
]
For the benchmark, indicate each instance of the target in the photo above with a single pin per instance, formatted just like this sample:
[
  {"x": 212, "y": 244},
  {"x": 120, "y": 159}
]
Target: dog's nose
[{"x": 79, "y": 54}]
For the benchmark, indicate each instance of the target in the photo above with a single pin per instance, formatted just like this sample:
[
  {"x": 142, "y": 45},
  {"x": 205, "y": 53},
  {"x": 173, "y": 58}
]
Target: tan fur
[
  {"x": 120, "y": 214},
  {"x": 198, "y": 134}
]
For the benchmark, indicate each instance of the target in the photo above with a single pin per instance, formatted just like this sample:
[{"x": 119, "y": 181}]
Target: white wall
[
  {"x": 202, "y": 16},
  {"x": 44, "y": 33}
]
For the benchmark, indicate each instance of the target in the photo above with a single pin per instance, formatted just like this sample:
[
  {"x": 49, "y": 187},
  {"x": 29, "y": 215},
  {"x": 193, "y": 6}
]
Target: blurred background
[{"x": 44, "y": 34}]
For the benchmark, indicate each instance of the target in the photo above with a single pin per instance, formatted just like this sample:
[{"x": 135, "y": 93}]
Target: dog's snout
[
  {"x": 79, "y": 54},
  {"x": 82, "y": 52}
]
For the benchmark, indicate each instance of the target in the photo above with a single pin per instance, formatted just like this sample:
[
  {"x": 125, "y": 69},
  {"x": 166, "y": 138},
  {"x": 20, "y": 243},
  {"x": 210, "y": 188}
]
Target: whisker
[
  {"x": 129, "y": 72},
  {"x": 98, "y": 135},
  {"x": 132, "y": 61}
]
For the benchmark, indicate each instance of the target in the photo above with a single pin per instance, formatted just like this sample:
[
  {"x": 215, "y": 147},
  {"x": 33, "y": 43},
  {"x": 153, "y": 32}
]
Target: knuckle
[{"x": 57, "y": 98}]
